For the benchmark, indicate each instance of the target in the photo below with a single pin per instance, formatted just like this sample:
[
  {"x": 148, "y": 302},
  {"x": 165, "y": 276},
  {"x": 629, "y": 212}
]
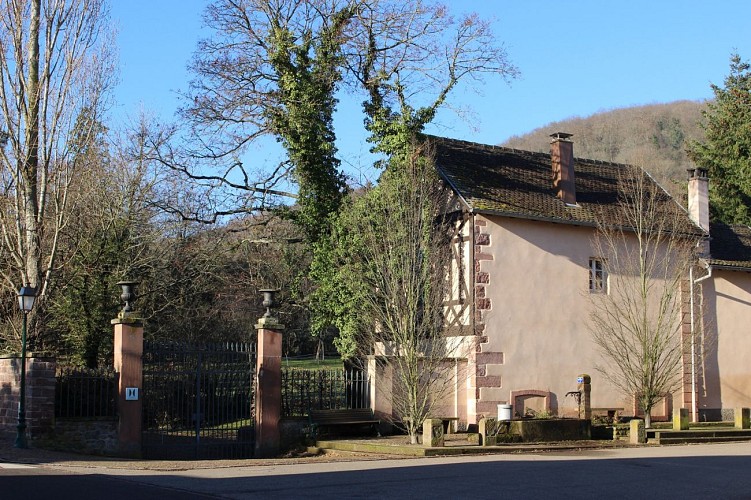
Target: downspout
[
  {"x": 472, "y": 273},
  {"x": 472, "y": 295},
  {"x": 694, "y": 403},
  {"x": 456, "y": 387}
]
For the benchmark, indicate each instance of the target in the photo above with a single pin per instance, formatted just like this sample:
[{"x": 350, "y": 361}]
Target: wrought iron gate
[{"x": 198, "y": 401}]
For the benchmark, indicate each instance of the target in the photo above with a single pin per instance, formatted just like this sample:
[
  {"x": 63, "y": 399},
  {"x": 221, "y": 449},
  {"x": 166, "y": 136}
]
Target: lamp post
[{"x": 26, "y": 297}]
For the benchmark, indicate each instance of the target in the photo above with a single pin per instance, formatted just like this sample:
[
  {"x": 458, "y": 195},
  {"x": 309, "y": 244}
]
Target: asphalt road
[
  {"x": 45, "y": 483},
  {"x": 699, "y": 471}
]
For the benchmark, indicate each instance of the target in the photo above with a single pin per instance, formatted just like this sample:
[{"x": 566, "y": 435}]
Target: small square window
[{"x": 598, "y": 279}]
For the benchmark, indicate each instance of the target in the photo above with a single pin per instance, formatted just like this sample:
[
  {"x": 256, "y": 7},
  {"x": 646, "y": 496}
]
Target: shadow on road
[{"x": 486, "y": 477}]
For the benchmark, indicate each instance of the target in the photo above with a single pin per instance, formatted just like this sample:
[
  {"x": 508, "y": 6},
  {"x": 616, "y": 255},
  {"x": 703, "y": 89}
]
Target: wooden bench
[{"x": 352, "y": 418}]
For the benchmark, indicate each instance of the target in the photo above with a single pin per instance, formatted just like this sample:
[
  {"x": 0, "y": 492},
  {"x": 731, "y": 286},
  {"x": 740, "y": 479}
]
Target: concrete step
[
  {"x": 698, "y": 436},
  {"x": 715, "y": 439},
  {"x": 707, "y": 433}
]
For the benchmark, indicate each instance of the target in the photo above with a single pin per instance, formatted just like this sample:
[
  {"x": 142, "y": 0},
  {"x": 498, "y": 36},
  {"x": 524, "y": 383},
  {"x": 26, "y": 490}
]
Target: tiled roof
[
  {"x": 515, "y": 183},
  {"x": 731, "y": 246}
]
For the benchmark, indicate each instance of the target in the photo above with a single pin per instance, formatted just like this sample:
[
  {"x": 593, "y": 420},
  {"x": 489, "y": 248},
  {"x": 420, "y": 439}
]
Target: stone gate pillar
[
  {"x": 128, "y": 363},
  {"x": 268, "y": 386}
]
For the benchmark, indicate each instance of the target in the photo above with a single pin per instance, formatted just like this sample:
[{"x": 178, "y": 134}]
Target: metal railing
[
  {"x": 86, "y": 393},
  {"x": 198, "y": 400},
  {"x": 305, "y": 390}
]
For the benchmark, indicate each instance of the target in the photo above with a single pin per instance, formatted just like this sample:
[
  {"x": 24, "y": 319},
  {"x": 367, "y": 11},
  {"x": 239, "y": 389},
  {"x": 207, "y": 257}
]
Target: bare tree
[
  {"x": 398, "y": 246},
  {"x": 645, "y": 247},
  {"x": 115, "y": 236},
  {"x": 54, "y": 67},
  {"x": 278, "y": 68},
  {"x": 409, "y": 57}
]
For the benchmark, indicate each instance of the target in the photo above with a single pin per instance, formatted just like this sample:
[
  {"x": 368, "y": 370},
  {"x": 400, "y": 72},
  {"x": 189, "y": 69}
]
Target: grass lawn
[{"x": 312, "y": 364}]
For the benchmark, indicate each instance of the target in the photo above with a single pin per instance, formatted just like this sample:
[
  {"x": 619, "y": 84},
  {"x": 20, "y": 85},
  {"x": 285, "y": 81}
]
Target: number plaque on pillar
[{"x": 131, "y": 394}]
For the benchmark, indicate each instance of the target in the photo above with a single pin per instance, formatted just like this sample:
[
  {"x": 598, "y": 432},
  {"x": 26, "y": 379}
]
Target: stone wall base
[{"x": 96, "y": 437}]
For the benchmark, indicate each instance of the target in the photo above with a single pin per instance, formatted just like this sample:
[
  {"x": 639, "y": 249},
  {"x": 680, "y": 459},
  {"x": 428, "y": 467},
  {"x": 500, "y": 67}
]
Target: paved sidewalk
[
  {"x": 39, "y": 456},
  {"x": 369, "y": 450}
]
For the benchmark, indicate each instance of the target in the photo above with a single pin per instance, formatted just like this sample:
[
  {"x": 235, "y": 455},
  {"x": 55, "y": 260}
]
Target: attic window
[{"x": 598, "y": 279}]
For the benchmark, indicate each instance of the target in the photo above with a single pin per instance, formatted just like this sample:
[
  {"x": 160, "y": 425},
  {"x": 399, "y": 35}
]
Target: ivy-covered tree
[
  {"x": 726, "y": 151},
  {"x": 309, "y": 69},
  {"x": 276, "y": 68},
  {"x": 271, "y": 68}
]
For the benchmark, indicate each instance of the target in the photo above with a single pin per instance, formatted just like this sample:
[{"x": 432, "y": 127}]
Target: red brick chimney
[
  {"x": 698, "y": 197},
  {"x": 562, "y": 156}
]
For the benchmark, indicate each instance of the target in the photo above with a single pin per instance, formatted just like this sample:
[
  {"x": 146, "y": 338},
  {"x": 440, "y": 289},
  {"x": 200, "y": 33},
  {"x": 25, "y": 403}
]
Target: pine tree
[{"x": 726, "y": 152}]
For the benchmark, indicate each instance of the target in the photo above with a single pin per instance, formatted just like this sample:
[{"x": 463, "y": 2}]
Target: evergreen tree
[{"x": 726, "y": 151}]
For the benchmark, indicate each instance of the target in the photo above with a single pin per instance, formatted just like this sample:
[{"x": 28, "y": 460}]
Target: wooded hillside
[{"x": 652, "y": 136}]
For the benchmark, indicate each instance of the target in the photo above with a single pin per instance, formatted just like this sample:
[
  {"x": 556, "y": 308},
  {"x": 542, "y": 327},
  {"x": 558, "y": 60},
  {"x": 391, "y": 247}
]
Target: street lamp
[{"x": 26, "y": 297}]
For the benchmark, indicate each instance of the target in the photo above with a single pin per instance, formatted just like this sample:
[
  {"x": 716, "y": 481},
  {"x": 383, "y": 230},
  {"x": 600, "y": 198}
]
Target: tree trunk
[
  {"x": 648, "y": 419},
  {"x": 30, "y": 165}
]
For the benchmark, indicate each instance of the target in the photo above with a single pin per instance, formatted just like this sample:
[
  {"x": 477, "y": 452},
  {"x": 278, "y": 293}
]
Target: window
[{"x": 598, "y": 279}]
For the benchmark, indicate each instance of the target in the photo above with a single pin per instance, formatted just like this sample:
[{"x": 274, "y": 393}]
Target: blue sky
[{"x": 576, "y": 58}]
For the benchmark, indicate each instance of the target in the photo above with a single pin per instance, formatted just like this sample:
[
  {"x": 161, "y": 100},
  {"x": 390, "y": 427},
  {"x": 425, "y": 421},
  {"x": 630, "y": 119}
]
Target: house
[
  {"x": 724, "y": 379},
  {"x": 527, "y": 265}
]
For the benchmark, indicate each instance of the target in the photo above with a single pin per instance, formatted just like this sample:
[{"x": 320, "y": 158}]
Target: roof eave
[
  {"x": 729, "y": 267},
  {"x": 456, "y": 191},
  {"x": 571, "y": 222},
  {"x": 539, "y": 218}
]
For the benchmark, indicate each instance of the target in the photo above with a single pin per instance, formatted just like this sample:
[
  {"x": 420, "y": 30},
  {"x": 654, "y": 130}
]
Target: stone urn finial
[
  {"x": 268, "y": 300},
  {"x": 268, "y": 321},
  {"x": 128, "y": 294}
]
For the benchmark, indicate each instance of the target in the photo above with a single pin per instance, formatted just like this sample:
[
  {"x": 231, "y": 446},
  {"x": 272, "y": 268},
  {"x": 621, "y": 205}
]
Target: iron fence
[
  {"x": 86, "y": 393},
  {"x": 305, "y": 390},
  {"x": 198, "y": 400}
]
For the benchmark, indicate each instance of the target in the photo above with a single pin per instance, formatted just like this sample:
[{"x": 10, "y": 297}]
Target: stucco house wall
[
  {"x": 537, "y": 321},
  {"x": 726, "y": 345}
]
